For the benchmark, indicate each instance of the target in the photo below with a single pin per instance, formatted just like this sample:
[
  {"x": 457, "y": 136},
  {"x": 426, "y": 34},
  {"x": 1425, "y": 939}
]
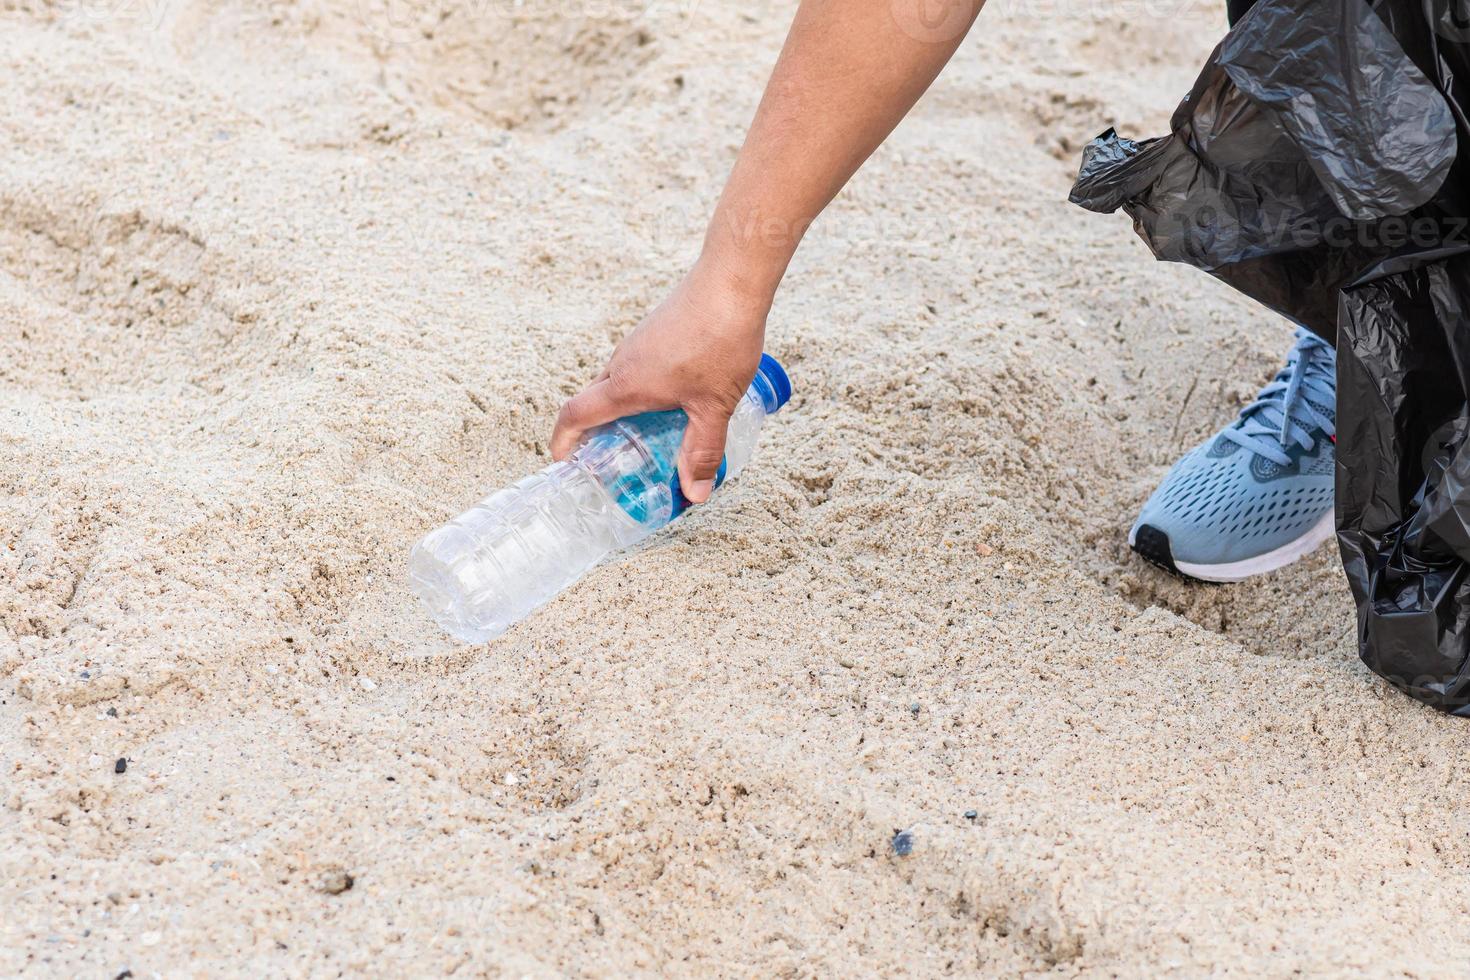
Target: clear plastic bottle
[{"x": 515, "y": 550}]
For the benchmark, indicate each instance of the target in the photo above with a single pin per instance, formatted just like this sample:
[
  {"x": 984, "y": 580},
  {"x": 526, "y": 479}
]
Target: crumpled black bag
[{"x": 1314, "y": 167}]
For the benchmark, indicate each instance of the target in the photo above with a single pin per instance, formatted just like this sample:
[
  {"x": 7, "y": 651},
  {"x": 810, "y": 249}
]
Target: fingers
[
  {"x": 599, "y": 402},
  {"x": 701, "y": 452}
]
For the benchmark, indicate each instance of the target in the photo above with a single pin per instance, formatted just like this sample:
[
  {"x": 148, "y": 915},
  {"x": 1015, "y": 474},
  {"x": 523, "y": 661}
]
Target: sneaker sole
[{"x": 1153, "y": 545}]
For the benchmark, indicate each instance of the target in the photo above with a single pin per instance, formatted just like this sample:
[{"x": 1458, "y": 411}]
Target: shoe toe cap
[{"x": 1153, "y": 546}]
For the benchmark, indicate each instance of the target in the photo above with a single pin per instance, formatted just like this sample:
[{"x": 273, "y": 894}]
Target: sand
[{"x": 285, "y": 284}]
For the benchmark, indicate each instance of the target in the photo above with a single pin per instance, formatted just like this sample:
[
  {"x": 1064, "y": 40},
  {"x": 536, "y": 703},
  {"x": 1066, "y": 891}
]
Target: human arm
[{"x": 849, "y": 71}]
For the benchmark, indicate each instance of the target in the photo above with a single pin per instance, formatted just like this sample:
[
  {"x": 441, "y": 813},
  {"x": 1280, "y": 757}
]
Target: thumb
[{"x": 701, "y": 452}]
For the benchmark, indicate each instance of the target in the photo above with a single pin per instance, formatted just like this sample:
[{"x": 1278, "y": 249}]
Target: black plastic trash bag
[
  {"x": 1314, "y": 167},
  {"x": 1403, "y": 470}
]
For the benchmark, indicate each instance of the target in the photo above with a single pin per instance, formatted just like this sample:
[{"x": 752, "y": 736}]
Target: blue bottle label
[{"x": 648, "y": 490}]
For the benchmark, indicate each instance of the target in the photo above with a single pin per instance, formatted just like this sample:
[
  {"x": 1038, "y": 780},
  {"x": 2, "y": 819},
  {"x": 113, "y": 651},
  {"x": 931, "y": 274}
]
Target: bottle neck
[{"x": 765, "y": 393}]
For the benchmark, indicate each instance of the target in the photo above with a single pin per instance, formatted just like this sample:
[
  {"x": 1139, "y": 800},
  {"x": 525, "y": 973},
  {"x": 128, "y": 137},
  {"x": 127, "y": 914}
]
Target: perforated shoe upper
[{"x": 1263, "y": 481}]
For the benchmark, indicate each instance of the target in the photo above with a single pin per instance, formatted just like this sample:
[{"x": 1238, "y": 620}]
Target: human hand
[{"x": 698, "y": 351}]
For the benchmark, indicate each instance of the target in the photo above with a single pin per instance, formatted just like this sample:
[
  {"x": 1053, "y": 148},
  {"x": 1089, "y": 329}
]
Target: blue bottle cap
[{"x": 775, "y": 377}]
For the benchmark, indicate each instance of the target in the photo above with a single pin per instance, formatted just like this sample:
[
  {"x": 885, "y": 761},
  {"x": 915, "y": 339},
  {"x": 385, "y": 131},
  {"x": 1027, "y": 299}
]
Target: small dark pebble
[
  {"x": 971, "y": 814},
  {"x": 914, "y": 709},
  {"x": 333, "y": 881},
  {"x": 86, "y": 675},
  {"x": 124, "y": 975},
  {"x": 121, "y": 765},
  {"x": 112, "y": 712},
  {"x": 392, "y": 780},
  {"x": 902, "y": 843}
]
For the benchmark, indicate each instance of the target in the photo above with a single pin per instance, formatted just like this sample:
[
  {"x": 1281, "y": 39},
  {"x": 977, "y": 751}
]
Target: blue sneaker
[{"x": 1258, "y": 495}]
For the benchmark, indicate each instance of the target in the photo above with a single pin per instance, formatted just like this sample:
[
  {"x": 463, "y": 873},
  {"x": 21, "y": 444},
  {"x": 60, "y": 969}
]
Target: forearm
[{"x": 848, "y": 73}]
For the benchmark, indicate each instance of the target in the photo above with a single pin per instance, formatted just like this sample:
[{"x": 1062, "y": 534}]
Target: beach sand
[{"x": 283, "y": 285}]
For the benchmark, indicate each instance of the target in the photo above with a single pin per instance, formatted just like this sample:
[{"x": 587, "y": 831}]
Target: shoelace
[{"x": 1282, "y": 413}]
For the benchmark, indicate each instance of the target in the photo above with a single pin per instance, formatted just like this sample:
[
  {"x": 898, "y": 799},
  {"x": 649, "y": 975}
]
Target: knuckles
[{"x": 566, "y": 417}]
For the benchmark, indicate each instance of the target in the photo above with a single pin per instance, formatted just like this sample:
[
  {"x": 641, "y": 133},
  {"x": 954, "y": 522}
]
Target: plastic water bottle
[{"x": 515, "y": 550}]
